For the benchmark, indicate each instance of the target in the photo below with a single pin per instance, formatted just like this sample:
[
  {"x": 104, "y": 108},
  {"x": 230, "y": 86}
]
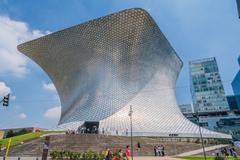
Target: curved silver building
[{"x": 103, "y": 66}]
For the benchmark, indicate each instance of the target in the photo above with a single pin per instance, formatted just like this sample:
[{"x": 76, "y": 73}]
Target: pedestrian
[
  {"x": 163, "y": 152},
  {"x": 88, "y": 130},
  {"x": 225, "y": 152},
  {"x": 231, "y": 151},
  {"x": 128, "y": 152},
  {"x": 217, "y": 152},
  {"x": 108, "y": 154},
  {"x": 115, "y": 156},
  {"x": 234, "y": 153},
  {"x": 159, "y": 150},
  {"x": 155, "y": 150},
  {"x": 120, "y": 153},
  {"x": 222, "y": 151},
  {"x": 138, "y": 146}
]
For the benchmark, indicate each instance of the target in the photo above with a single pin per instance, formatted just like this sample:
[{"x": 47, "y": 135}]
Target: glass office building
[
  {"x": 238, "y": 6},
  {"x": 206, "y": 86},
  {"x": 232, "y": 102},
  {"x": 236, "y": 85}
]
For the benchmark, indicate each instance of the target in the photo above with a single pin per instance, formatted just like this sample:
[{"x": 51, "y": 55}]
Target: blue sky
[{"x": 195, "y": 28}]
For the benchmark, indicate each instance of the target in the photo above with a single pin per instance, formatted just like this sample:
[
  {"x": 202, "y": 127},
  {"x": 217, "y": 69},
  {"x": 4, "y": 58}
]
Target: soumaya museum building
[{"x": 103, "y": 66}]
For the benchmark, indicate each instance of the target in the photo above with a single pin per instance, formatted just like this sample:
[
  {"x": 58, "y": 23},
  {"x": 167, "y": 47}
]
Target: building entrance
[{"x": 90, "y": 127}]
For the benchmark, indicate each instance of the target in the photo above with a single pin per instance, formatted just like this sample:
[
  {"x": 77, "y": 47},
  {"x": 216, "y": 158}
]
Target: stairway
[{"x": 80, "y": 143}]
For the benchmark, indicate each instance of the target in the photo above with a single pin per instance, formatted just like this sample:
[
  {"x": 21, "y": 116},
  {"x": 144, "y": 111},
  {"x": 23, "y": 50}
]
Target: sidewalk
[
  {"x": 194, "y": 152},
  {"x": 22, "y": 158},
  {"x": 135, "y": 158},
  {"x": 156, "y": 158}
]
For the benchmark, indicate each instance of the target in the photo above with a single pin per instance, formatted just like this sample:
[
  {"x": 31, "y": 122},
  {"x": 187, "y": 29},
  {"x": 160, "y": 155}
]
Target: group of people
[
  {"x": 230, "y": 151},
  {"x": 69, "y": 132},
  {"x": 83, "y": 130},
  {"x": 159, "y": 150},
  {"x": 119, "y": 155}
]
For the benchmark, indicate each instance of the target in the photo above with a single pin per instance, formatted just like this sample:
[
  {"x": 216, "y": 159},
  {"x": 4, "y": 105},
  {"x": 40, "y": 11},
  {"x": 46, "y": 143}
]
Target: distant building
[
  {"x": 206, "y": 86},
  {"x": 229, "y": 124},
  {"x": 232, "y": 102},
  {"x": 236, "y": 85},
  {"x": 239, "y": 60},
  {"x": 4, "y": 132},
  {"x": 226, "y": 124},
  {"x": 186, "y": 108}
]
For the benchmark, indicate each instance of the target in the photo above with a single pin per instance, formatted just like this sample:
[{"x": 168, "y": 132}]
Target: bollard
[{"x": 19, "y": 158}]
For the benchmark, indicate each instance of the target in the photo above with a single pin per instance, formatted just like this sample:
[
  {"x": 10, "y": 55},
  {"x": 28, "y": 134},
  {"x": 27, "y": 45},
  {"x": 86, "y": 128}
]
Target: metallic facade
[{"x": 103, "y": 66}]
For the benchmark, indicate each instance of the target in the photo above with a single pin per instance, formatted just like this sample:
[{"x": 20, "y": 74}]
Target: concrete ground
[
  {"x": 156, "y": 158},
  {"x": 135, "y": 158},
  {"x": 198, "y": 151}
]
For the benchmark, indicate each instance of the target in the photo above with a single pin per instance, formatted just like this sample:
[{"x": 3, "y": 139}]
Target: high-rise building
[
  {"x": 232, "y": 102},
  {"x": 236, "y": 85},
  {"x": 206, "y": 86},
  {"x": 239, "y": 60},
  {"x": 238, "y": 6}
]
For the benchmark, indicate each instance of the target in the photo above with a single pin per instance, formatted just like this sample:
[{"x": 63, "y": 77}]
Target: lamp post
[
  {"x": 200, "y": 131},
  {"x": 130, "y": 115}
]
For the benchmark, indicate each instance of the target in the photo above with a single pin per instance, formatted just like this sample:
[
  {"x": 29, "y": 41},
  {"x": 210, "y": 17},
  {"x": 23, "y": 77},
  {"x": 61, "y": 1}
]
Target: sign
[
  {"x": 173, "y": 135},
  {"x": 9, "y": 144}
]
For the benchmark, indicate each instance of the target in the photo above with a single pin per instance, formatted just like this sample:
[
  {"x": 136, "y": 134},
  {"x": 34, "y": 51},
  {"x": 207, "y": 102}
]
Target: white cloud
[
  {"x": 13, "y": 98},
  {"x": 13, "y": 33},
  {"x": 49, "y": 87},
  {"x": 4, "y": 89},
  {"x": 22, "y": 116},
  {"x": 53, "y": 113}
]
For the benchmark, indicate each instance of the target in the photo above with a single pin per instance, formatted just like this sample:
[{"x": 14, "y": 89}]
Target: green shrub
[
  {"x": 197, "y": 140},
  {"x": 68, "y": 155},
  {"x": 219, "y": 158}
]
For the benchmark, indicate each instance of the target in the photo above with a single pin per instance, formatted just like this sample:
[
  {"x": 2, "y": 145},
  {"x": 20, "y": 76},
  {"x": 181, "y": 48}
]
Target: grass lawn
[
  {"x": 25, "y": 137},
  {"x": 202, "y": 158}
]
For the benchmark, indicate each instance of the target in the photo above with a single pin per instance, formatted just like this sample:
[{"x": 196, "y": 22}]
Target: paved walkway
[
  {"x": 194, "y": 152},
  {"x": 135, "y": 158},
  {"x": 156, "y": 158}
]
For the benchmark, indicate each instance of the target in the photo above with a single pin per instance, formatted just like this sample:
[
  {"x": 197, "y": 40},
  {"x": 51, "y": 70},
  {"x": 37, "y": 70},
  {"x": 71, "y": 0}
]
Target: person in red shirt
[{"x": 128, "y": 152}]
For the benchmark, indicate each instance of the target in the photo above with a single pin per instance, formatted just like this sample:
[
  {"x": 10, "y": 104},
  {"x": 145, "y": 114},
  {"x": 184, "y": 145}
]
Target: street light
[
  {"x": 200, "y": 131},
  {"x": 130, "y": 115}
]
